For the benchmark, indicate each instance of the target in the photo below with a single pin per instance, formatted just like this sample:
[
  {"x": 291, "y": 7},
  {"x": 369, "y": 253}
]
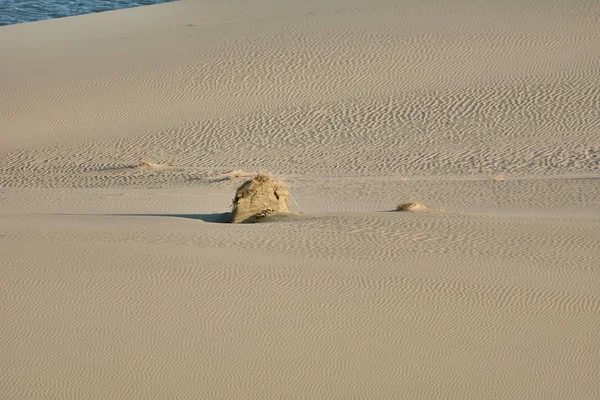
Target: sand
[{"x": 123, "y": 138}]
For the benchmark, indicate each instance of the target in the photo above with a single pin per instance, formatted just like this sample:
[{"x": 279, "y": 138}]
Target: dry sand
[{"x": 115, "y": 285}]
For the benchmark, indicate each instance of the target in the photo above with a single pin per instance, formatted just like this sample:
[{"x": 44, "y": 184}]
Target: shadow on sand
[
  {"x": 219, "y": 218},
  {"x": 215, "y": 218}
]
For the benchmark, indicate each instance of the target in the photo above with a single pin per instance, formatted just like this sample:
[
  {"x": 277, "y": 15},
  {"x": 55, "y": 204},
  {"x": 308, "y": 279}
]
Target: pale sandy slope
[{"x": 114, "y": 285}]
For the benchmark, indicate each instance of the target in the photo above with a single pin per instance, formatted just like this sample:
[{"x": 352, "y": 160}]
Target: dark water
[{"x": 17, "y": 11}]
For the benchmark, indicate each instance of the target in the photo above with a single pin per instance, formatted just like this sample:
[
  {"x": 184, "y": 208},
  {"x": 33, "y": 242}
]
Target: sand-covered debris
[
  {"x": 412, "y": 206},
  {"x": 145, "y": 165},
  {"x": 259, "y": 197},
  {"x": 237, "y": 174}
]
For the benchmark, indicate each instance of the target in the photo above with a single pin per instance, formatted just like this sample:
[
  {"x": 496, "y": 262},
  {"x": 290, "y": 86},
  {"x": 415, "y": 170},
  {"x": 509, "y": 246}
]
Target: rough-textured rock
[
  {"x": 259, "y": 197},
  {"x": 412, "y": 206}
]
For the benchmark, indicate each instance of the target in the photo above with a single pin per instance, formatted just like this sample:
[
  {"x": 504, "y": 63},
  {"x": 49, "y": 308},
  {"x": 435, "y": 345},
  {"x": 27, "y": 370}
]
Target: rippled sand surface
[{"x": 118, "y": 135}]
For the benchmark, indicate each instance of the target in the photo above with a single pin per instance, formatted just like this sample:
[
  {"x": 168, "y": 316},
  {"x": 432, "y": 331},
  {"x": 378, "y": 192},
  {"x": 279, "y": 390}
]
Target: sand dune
[{"x": 124, "y": 135}]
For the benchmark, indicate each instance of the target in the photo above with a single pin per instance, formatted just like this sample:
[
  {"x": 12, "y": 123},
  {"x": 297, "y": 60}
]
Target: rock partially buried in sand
[
  {"x": 259, "y": 197},
  {"x": 412, "y": 206}
]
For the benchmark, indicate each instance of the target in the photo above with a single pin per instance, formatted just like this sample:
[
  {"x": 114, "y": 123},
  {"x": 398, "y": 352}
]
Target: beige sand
[{"x": 114, "y": 285}]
